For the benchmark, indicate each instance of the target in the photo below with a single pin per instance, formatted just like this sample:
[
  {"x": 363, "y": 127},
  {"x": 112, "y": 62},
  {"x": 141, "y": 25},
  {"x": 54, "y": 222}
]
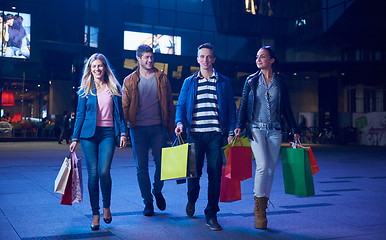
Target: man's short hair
[
  {"x": 143, "y": 48},
  {"x": 206, "y": 45}
]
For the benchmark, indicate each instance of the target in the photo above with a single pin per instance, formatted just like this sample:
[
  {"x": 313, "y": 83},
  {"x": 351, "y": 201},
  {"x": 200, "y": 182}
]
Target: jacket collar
[
  {"x": 252, "y": 78},
  {"x": 155, "y": 70},
  {"x": 197, "y": 74}
]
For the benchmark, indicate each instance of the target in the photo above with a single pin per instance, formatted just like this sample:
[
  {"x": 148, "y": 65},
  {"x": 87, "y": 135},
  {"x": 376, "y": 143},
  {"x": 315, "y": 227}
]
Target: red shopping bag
[
  {"x": 238, "y": 162},
  {"x": 66, "y": 198},
  {"x": 311, "y": 157},
  {"x": 230, "y": 189},
  {"x": 73, "y": 192},
  {"x": 313, "y": 163}
]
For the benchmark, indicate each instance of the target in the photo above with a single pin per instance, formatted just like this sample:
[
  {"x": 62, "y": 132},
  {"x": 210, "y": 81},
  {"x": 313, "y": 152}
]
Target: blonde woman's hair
[{"x": 87, "y": 84}]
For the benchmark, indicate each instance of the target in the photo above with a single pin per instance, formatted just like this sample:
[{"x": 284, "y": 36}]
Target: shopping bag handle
[
  {"x": 74, "y": 159},
  {"x": 296, "y": 143},
  {"x": 178, "y": 139},
  {"x": 235, "y": 139}
]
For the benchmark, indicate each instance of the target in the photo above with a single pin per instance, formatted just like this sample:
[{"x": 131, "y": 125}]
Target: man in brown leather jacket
[{"x": 149, "y": 112}]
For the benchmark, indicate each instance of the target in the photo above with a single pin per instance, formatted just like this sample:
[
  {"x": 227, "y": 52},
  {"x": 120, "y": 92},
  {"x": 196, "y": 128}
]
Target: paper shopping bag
[
  {"x": 230, "y": 189},
  {"x": 240, "y": 141},
  {"x": 313, "y": 163},
  {"x": 192, "y": 167},
  {"x": 77, "y": 183},
  {"x": 297, "y": 172},
  {"x": 174, "y": 162},
  {"x": 238, "y": 161},
  {"x": 66, "y": 198},
  {"x": 63, "y": 175},
  {"x": 311, "y": 157}
]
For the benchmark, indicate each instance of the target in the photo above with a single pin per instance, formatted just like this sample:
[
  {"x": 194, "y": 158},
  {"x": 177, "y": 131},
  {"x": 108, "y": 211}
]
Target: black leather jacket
[{"x": 244, "y": 116}]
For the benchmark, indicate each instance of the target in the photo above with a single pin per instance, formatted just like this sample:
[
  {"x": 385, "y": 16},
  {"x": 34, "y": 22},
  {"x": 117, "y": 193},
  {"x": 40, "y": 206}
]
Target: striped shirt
[{"x": 205, "y": 113}]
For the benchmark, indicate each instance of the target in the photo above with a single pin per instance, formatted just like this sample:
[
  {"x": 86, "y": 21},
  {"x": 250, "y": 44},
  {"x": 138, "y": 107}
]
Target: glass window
[
  {"x": 145, "y": 3},
  {"x": 208, "y": 8},
  {"x": 92, "y": 5},
  {"x": 138, "y": 27},
  {"x": 149, "y": 15},
  {"x": 94, "y": 37},
  {"x": 236, "y": 48},
  {"x": 209, "y": 23},
  {"x": 91, "y": 36},
  {"x": 220, "y": 46},
  {"x": 193, "y": 6},
  {"x": 189, "y": 20},
  {"x": 384, "y": 100},
  {"x": 352, "y": 106},
  {"x": 189, "y": 47},
  {"x": 207, "y": 37},
  {"x": 167, "y": 17},
  {"x": 168, "y": 4}
]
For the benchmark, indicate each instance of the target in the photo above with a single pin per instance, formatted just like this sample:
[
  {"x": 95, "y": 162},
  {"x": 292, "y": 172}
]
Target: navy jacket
[
  {"x": 86, "y": 117},
  {"x": 225, "y": 100}
]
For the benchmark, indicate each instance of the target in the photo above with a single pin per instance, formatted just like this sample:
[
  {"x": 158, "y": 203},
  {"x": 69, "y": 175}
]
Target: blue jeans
[
  {"x": 98, "y": 152},
  {"x": 207, "y": 144},
  {"x": 266, "y": 149},
  {"x": 144, "y": 138}
]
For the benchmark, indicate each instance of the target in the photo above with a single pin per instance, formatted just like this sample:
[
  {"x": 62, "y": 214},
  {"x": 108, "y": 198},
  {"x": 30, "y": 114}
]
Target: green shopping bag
[
  {"x": 297, "y": 172},
  {"x": 174, "y": 162}
]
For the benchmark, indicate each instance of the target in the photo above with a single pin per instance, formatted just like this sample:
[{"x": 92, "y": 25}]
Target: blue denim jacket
[
  {"x": 86, "y": 117},
  {"x": 225, "y": 99}
]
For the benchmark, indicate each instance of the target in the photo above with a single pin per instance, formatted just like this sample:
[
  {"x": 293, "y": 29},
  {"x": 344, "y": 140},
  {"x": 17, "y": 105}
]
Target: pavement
[{"x": 349, "y": 203}]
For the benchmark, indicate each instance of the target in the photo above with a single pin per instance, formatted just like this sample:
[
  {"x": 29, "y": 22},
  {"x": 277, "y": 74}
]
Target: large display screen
[
  {"x": 15, "y": 34},
  {"x": 161, "y": 43}
]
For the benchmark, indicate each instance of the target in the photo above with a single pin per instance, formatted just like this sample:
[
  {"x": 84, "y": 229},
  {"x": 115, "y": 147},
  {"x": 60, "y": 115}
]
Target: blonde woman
[{"x": 99, "y": 121}]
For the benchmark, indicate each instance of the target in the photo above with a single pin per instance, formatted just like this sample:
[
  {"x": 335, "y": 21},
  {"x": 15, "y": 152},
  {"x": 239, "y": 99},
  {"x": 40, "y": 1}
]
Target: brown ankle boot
[{"x": 261, "y": 204}]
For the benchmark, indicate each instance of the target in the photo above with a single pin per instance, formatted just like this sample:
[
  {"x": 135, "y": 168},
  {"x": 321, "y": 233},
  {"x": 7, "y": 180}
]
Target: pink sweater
[{"x": 105, "y": 109}]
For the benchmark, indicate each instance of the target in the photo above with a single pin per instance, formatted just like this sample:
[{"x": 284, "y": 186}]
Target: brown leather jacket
[{"x": 130, "y": 99}]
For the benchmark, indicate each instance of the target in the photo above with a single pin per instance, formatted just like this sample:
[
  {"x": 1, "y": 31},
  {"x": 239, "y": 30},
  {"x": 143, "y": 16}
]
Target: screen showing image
[
  {"x": 15, "y": 34},
  {"x": 161, "y": 43}
]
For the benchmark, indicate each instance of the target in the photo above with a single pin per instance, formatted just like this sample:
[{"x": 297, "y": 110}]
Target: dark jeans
[
  {"x": 98, "y": 152},
  {"x": 144, "y": 138},
  {"x": 207, "y": 144}
]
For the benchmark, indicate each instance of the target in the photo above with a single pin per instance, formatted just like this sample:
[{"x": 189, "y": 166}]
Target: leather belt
[{"x": 263, "y": 126}]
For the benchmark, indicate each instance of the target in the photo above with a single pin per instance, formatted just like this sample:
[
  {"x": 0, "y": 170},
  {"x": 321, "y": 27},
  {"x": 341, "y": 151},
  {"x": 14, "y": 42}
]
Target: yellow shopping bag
[{"x": 174, "y": 162}]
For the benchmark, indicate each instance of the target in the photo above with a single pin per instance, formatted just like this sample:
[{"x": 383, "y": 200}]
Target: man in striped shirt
[{"x": 206, "y": 110}]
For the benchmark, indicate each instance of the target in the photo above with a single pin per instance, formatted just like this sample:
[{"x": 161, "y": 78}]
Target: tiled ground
[{"x": 349, "y": 202}]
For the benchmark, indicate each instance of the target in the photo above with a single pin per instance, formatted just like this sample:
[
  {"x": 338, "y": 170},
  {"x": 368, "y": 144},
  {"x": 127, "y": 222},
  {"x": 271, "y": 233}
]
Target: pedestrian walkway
[{"x": 349, "y": 203}]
